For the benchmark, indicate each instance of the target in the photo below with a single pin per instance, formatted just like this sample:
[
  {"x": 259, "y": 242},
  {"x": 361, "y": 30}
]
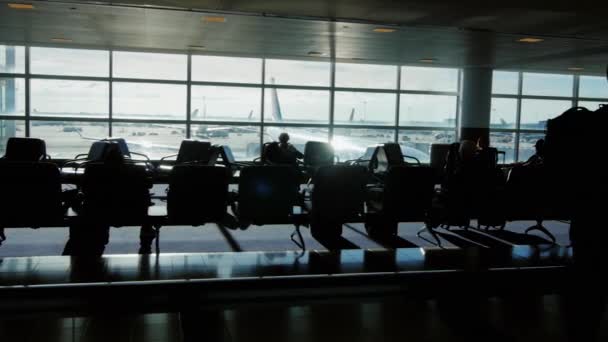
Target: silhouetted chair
[
  {"x": 386, "y": 156},
  {"x": 338, "y": 197},
  {"x": 97, "y": 152},
  {"x": 267, "y": 195},
  {"x": 526, "y": 196},
  {"x": 31, "y": 195},
  {"x": 317, "y": 154},
  {"x": 439, "y": 154},
  {"x": 190, "y": 151},
  {"x": 115, "y": 194},
  {"x": 25, "y": 150},
  {"x": 197, "y": 194},
  {"x": 406, "y": 196}
]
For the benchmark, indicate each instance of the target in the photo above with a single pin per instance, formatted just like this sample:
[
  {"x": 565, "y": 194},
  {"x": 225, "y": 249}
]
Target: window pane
[
  {"x": 503, "y": 113},
  {"x": 351, "y": 143},
  {"x": 427, "y": 110},
  {"x": 547, "y": 84},
  {"x": 159, "y": 66},
  {"x": 291, "y": 72},
  {"x": 154, "y": 140},
  {"x": 226, "y": 103},
  {"x": 366, "y": 76},
  {"x": 417, "y": 143},
  {"x": 591, "y": 86},
  {"x": 12, "y": 59},
  {"x": 12, "y": 96},
  {"x": 66, "y": 139},
  {"x": 9, "y": 129},
  {"x": 226, "y": 69},
  {"x": 505, "y": 82},
  {"x": 535, "y": 113},
  {"x": 431, "y": 79},
  {"x": 149, "y": 101},
  {"x": 292, "y": 105},
  {"x": 73, "y": 62},
  {"x": 69, "y": 98},
  {"x": 364, "y": 108},
  {"x": 244, "y": 141},
  {"x": 526, "y": 144},
  {"x": 504, "y": 141},
  {"x": 592, "y": 105}
]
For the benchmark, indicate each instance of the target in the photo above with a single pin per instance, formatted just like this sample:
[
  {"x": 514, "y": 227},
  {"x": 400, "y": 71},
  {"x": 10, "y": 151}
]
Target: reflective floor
[{"x": 531, "y": 318}]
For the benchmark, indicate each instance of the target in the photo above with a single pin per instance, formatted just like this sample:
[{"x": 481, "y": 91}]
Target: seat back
[
  {"x": 197, "y": 194},
  {"x": 267, "y": 194},
  {"x": 317, "y": 154},
  {"x": 394, "y": 156},
  {"x": 194, "y": 151},
  {"x": 115, "y": 193},
  {"x": 31, "y": 194},
  {"x": 273, "y": 154},
  {"x": 339, "y": 193},
  {"x": 439, "y": 154},
  {"x": 408, "y": 193},
  {"x": 25, "y": 150},
  {"x": 122, "y": 144},
  {"x": 98, "y": 150}
]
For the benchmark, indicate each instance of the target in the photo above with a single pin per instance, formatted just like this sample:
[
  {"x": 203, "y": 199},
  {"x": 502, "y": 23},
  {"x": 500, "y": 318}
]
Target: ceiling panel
[{"x": 127, "y": 27}]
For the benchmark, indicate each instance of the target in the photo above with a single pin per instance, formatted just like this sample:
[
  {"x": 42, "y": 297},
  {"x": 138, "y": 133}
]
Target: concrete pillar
[{"x": 475, "y": 103}]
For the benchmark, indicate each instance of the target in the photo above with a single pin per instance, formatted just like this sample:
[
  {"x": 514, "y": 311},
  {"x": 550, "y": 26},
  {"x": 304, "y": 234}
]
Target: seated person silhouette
[
  {"x": 287, "y": 153},
  {"x": 537, "y": 158}
]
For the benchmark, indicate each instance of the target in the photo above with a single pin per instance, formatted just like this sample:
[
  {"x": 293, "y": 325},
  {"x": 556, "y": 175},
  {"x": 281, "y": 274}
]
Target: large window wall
[
  {"x": 522, "y": 102},
  {"x": 70, "y": 97}
]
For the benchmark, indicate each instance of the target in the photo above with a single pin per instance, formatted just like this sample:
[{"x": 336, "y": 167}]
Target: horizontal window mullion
[
  {"x": 11, "y": 75},
  {"x": 366, "y": 90},
  {"x": 142, "y": 80},
  {"x": 68, "y": 78},
  {"x": 295, "y": 124},
  {"x": 149, "y": 121},
  {"x": 278, "y": 86},
  {"x": 364, "y": 126},
  {"x": 426, "y": 128},
  {"x": 12, "y": 117},
  {"x": 593, "y": 99},
  {"x": 428, "y": 92},
  {"x": 226, "y": 84},
  {"x": 225, "y": 123},
  {"x": 68, "y": 118}
]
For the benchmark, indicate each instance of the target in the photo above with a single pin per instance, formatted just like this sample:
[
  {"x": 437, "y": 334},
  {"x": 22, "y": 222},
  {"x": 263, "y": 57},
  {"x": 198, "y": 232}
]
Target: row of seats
[{"x": 380, "y": 189}]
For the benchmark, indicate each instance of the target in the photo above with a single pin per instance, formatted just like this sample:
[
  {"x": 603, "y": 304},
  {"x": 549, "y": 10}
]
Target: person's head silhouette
[
  {"x": 539, "y": 146},
  {"x": 284, "y": 138}
]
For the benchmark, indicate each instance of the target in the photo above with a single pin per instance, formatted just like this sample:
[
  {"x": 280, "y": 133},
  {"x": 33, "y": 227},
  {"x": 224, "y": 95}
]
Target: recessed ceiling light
[
  {"x": 427, "y": 60},
  {"x": 61, "y": 40},
  {"x": 199, "y": 47},
  {"x": 384, "y": 30},
  {"x": 315, "y": 53},
  {"x": 576, "y": 69},
  {"x": 530, "y": 40},
  {"x": 214, "y": 19},
  {"x": 21, "y": 6}
]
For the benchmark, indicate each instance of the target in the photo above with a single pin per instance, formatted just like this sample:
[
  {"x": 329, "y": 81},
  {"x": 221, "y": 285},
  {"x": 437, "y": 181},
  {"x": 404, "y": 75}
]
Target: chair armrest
[
  {"x": 414, "y": 158},
  {"x": 171, "y": 156},
  {"x": 141, "y": 155}
]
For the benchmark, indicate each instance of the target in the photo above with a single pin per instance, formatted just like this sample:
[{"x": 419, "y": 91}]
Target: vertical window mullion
[
  {"x": 332, "y": 91},
  {"x": 27, "y": 91},
  {"x": 518, "y": 116},
  {"x": 262, "y": 101},
  {"x": 111, "y": 93},
  {"x": 189, "y": 96},
  {"x": 398, "y": 104}
]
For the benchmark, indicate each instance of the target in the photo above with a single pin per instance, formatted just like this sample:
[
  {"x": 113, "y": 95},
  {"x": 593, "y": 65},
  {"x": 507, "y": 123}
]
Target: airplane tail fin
[
  {"x": 194, "y": 114},
  {"x": 503, "y": 122},
  {"x": 277, "y": 115},
  {"x": 352, "y": 115},
  {"x": 250, "y": 115}
]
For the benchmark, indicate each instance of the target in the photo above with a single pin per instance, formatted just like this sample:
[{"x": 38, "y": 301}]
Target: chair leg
[
  {"x": 300, "y": 241},
  {"x": 157, "y": 238},
  {"x": 538, "y": 226},
  {"x": 431, "y": 232}
]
